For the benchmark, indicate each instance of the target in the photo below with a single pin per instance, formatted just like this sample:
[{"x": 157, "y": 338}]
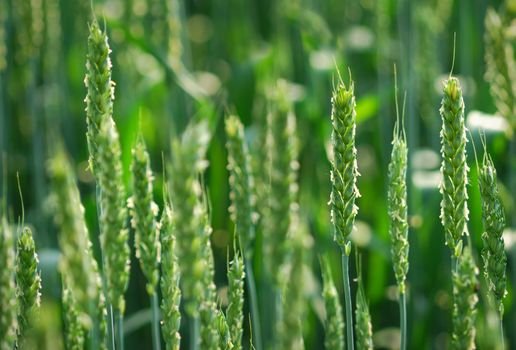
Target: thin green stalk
[
  {"x": 347, "y": 298},
  {"x": 156, "y": 342},
  {"x": 111, "y": 328},
  {"x": 403, "y": 320},
  {"x": 195, "y": 326},
  {"x": 502, "y": 340},
  {"x": 253, "y": 303},
  {"x": 119, "y": 319}
]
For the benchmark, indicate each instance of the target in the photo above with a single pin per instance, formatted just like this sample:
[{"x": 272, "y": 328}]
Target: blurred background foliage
[{"x": 174, "y": 60}]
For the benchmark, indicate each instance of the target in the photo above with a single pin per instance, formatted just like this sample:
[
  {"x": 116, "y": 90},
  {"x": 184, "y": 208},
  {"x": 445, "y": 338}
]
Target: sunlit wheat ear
[
  {"x": 493, "y": 218},
  {"x": 241, "y": 182},
  {"x": 344, "y": 170},
  {"x": 143, "y": 211},
  {"x": 363, "y": 326},
  {"x": 282, "y": 205},
  {"x": 464, "y": 302},
  {"x": 28, "y": 280},
  {"x": 334, "y": 323},
  {"x": 454, "y": 169},
  {"x": 74, "y": 328},
  {"x": 235, "y": 309},
  {"x": 113, "y": 215},
  {"x": 500, "y": 66},
  {"x": 187, "y": 160},
  {"x": 8, "y": 306},
  {"x": 170, "y": 291}
]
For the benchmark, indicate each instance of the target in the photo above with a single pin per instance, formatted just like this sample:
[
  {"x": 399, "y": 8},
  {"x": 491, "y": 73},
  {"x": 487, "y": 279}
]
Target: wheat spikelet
[
  {"x": 493, "y": 218},
  {"x": 8, "y": 320},
  {"x": 242, "y": 207},
  {"x": 143, "y": 211},
  {"x": 235, "y": 309},
  {"x": 74, "y": 329},
  {"x": 223, "y": 328},
  {"x": 185, "y": 192},
  {"x": 500, "y": 66},
  {"x": 334, "y": 323},
  {"x": 282, "y": 152},
  {"x": 454, "y": 169},
  {"x": 171, "y": 293},
  {"x": 28, "y": 280},
  {"x": 344, "y": 171},
  {"x": 363, "y": 327},
  {"x": 397, "y": 201}
]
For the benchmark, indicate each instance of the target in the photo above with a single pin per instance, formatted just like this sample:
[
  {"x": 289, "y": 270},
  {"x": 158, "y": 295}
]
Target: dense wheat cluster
[{"x": 236, "y": 191}]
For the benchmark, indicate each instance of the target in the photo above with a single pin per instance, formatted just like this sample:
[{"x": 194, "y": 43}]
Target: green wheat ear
[
  {"x": 363, "y": 326},
  {"x": 8, "y": 320},
  {"x": 464, "y": 302},
  {"x": 210, "y": 336},
  {"x": 74, "y": 329},
  {"x": 224, "y": 333},
  {"x": 78, "y": 266},
  {"x": 235, "y": 309},
  {"x": 105, "y": 161},
  {"x": 397, "y": 201},
  {"x": 344, "y": 170},
  {"x": 282, "y": 205},
  {"x": 188, "y": 159},
  {"x": 143, "y": 211},
  {"x": 500, "y": 66},
  {"x": 493, "y": 218},
  {"x": 334, "y": 323},
  {"x": 242, "y": 207},
  {"x": 170, "y": 291},
  {"x": 28, "y": 280},
  {"x": 294, "y": 302},
  {"x": 454, "y": 169},
  {"x": 101, "y": 89}
]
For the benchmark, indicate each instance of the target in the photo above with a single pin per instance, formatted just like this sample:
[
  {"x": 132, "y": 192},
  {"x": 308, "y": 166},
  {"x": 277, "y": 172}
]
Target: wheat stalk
[
  {"x": 464, "y": 302},
  {"x": 334, "y": 324},
  {"x": 454, "y": 169},
  {"x": 171, "y": 293},
  {"x": 28, "y": 281},
  {"x": 8, "y": 320}
]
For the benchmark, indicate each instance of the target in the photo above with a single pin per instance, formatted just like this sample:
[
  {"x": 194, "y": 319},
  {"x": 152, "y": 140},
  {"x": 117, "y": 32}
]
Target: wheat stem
[
  {"x": 156, "y": 342},
  {"x": 347, "y": 298},
  {"x": 253, "y": 303},
  {"x": 194, "y": 332},
  {"x": 119, "y": 319},
  {"x": 403, "y": 320}
]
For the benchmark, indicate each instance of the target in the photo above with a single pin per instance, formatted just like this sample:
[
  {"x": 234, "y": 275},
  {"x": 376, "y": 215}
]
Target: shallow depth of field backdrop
[{"x": 233, "y": 51}]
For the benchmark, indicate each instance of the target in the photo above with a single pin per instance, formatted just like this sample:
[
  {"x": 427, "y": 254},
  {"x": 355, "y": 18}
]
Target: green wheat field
[{"x": 257, "y": 174}]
